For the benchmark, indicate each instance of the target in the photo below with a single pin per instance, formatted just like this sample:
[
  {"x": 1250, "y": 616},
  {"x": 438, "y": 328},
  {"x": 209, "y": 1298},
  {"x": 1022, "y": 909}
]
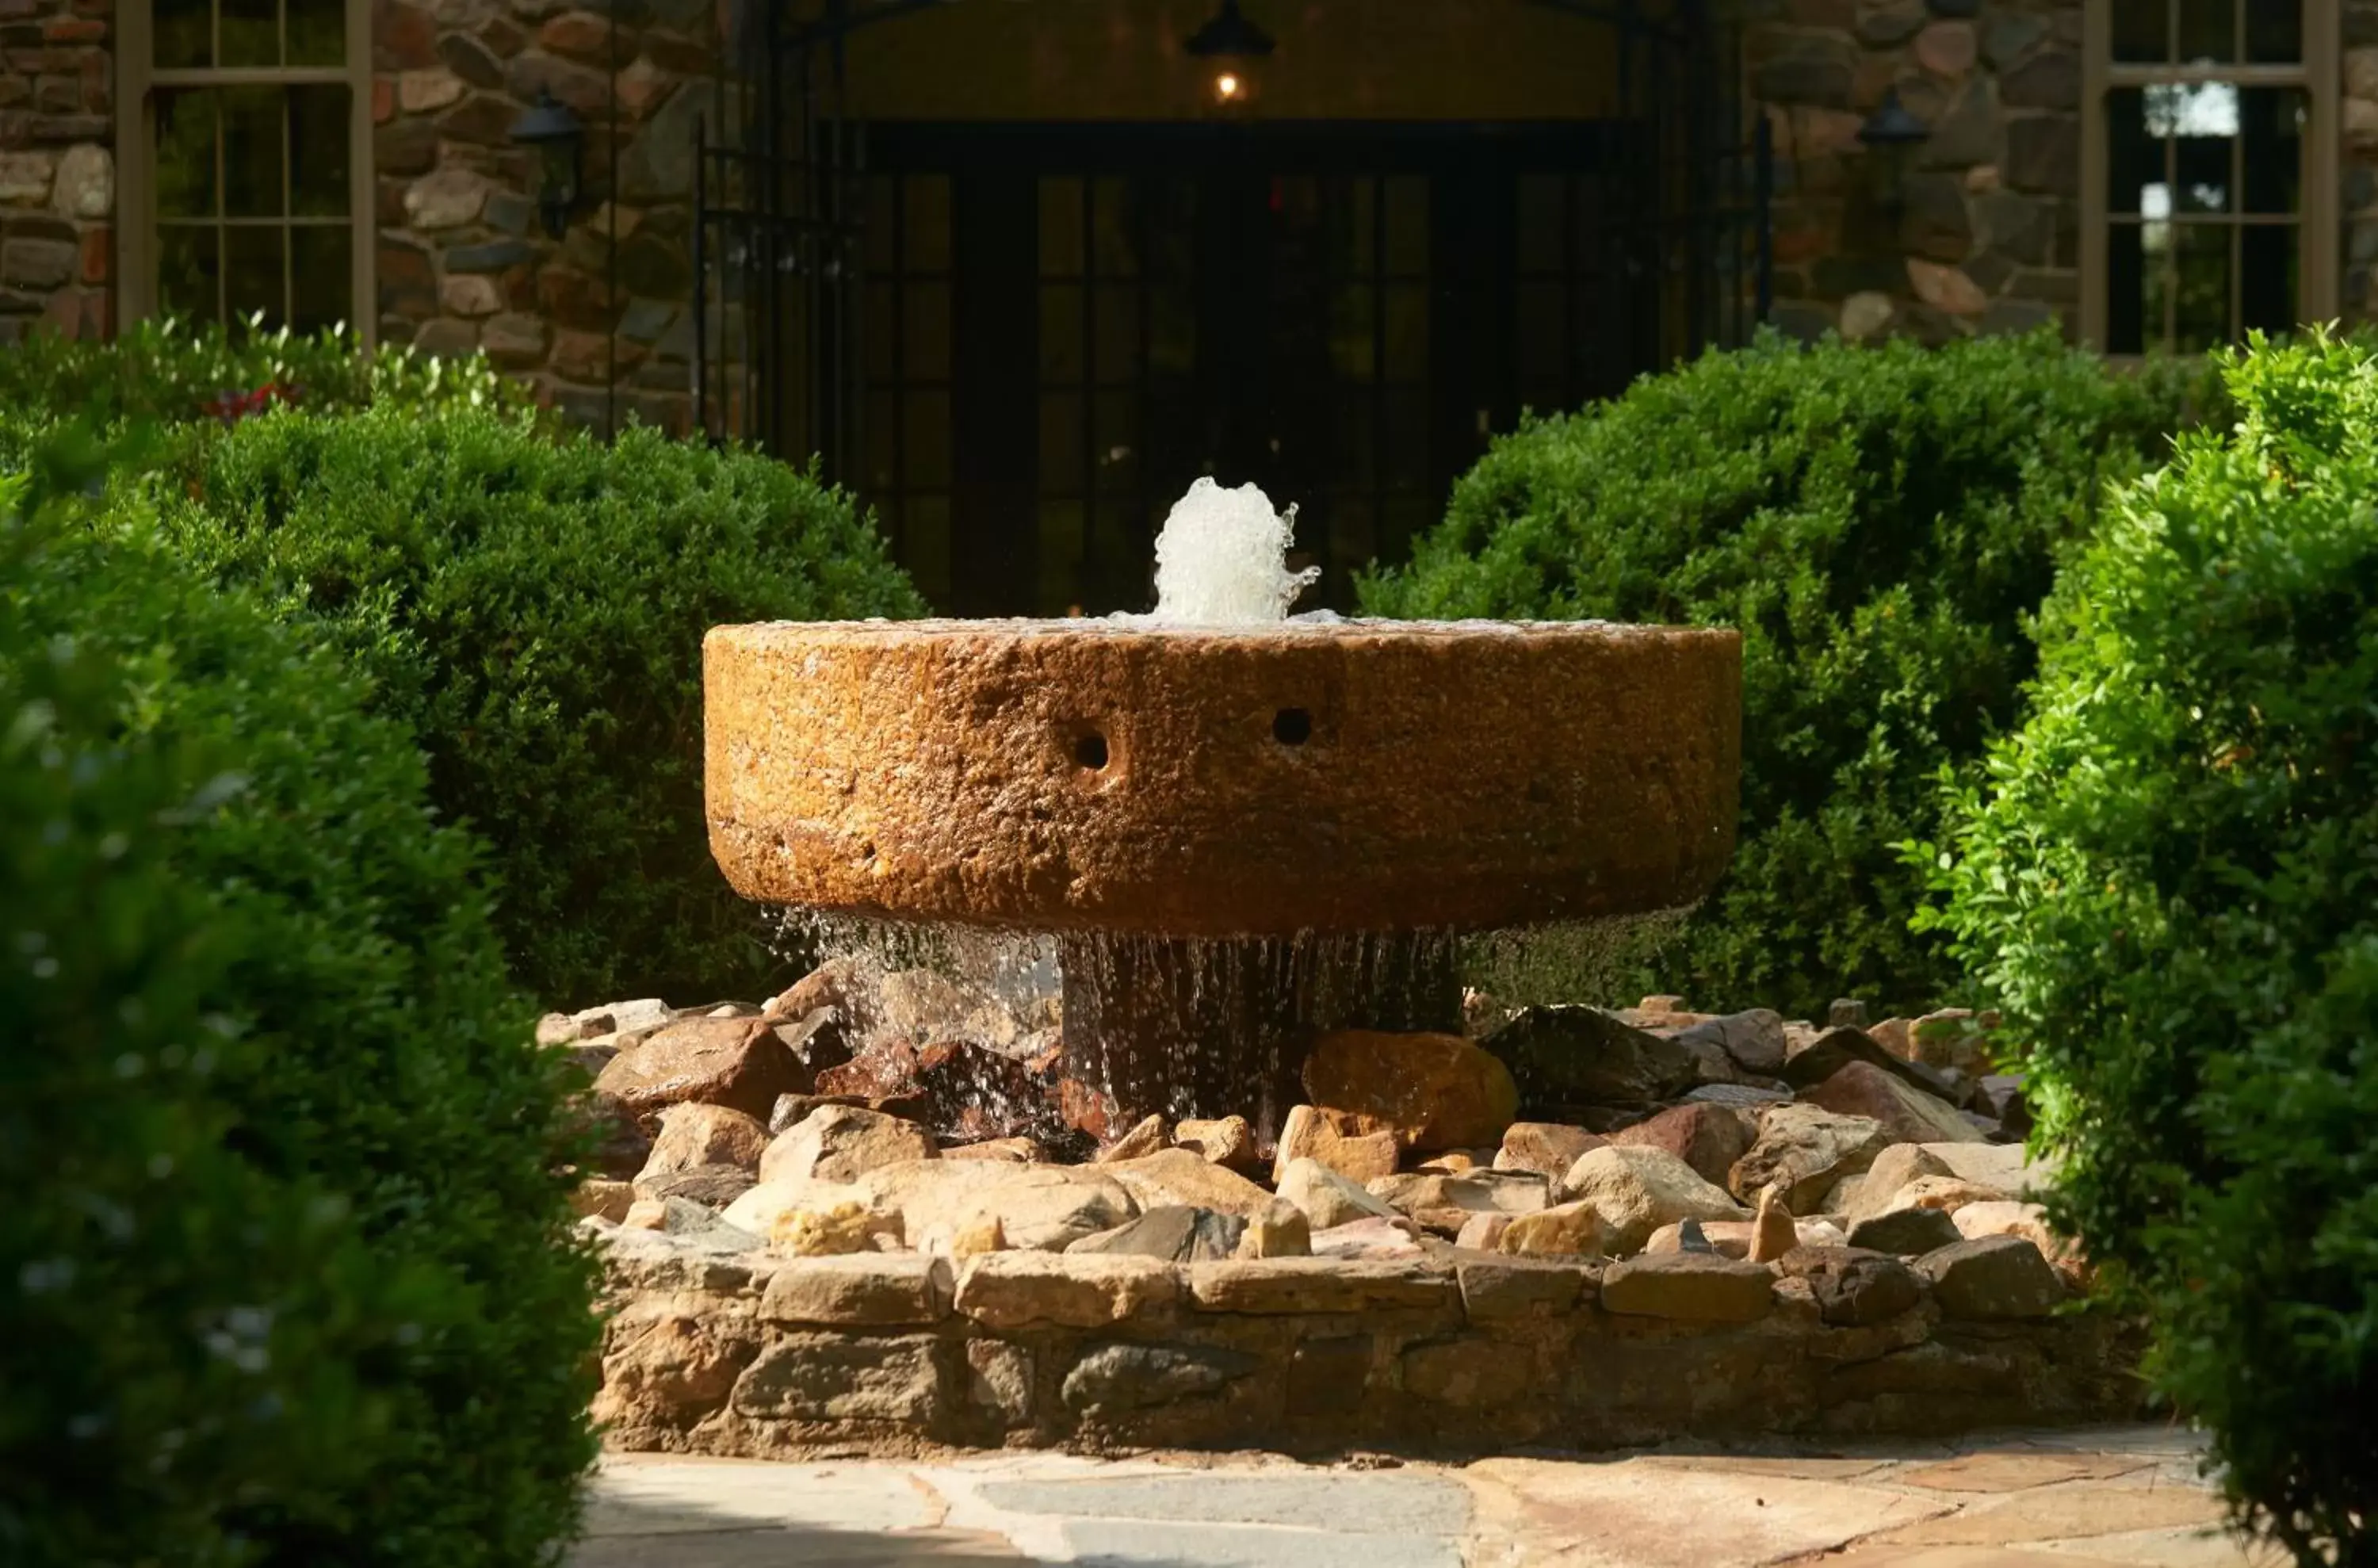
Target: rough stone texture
[
  {"x": 1435, "y": 1092},
  {"x": 57, "y": 168},
  {"x": 1458, "y": 1352},
  {"x": 1527, "y": 793},
  {"x": 1806, "y": 1149},
  {"x": 1548, "y": 1148},
  {"x": 1708, "y": 1138},
  {"x": 692, "y": 1135},
  {"x": 1909, "y": 1115},
  {"x": 1585, "y": 1056},
  {"x": 1638, "y": 1190},
  {"x": 1987, "y": 221},
  {"x": 1565, "y": 1230},
  {"x": 1182, "y": 1177},
  {"x": 739, "y": 1063},
  {"x": 1906, "y": 1232},
  {"x": 1337, "y": 1142},
  {"x": 1173, "y": 1232},
  {"x": 842, "y": 1143},
  {"x": 1997, "y": 1276},
  {"x": 1696, "y": 1286},
  {"x": 1280, "y": 1230},
  {"x": 1328, "y": 1198}
]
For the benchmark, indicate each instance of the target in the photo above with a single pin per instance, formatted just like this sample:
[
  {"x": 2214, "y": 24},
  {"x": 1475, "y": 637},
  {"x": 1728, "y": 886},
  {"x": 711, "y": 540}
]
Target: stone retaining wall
[{"x": 762, "y": 1357}]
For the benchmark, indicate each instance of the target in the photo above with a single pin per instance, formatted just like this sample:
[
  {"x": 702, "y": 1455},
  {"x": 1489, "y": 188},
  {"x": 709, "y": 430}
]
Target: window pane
[
  {"x": 184, "y": 36},
  {"x": 1408, "y": 226},
  {"x": 255, "y": 274},
  {"x": 2274, "y": 30},
  {"x": 883, "y": 444},
  {"x": 251, "y": 31},
  {"x": 2202, "y": 164},
  {"x": 925, "y": 332},
  {"x": 1117, "y": 452},
  {"x": 187, "y": 268},
  {"x": 1116, "y": 245},
  {"x": 1060, "y": 444},
  {"x": 1061, "y": 333},
  {"x": 1362, "y": 230},
  {"x": 2200, "y": 314},
  {"x": 317, "y": 152},
  {"x": 2208, "y": 30},
  {"x": 928, "y": 233},
  {"x": 2272, "y": 121},
  {"x": 1407, "y": 333},
  {"x": 883, "y": 196},
  {"x": 1354, "y": 341},
  {"x": 252, "y": 132},
  {"x": 2141, "y": 31},
  {"x": 928, "y": 436},
  {"x": 1061, "y": 228},
  {"x": 1540, "y": 223},
  {"x": 1118, "y": 339},
  {"x": 322, "y": 276},
  {"x": 925, "y": 536},
  {"x": 882, "y": 348},
  {"x": 1061, "y": 555},
  {"x": 2268, "y": 282},
  {"x": 186, "y": 153},
  {"x": 318, "y": 32},
  {"x": 2134, "y": 158},
  {"x": 1543, "y": 334}
]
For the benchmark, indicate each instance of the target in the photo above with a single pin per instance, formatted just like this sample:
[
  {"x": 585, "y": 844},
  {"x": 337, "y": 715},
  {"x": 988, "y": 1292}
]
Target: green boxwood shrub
[
  {"x": 2170, "y": 886},
  {"x": 534, "y": 608},
  {"x": 287, "y": 1276},
  {"x": 172, "y": 373},
  {"x": 1877, "y": 524}
]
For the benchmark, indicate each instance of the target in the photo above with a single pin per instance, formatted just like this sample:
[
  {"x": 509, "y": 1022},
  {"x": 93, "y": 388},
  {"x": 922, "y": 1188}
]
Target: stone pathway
[{"x": 2121, "y": 1498}]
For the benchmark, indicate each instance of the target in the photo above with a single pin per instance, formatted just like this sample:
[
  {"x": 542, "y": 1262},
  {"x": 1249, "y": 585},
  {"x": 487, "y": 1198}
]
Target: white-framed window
[
  {"x": 2209, "y": 170},
  {"x": 244, "y": 138}
]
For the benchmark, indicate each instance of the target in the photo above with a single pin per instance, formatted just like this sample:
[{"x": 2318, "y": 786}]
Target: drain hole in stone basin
[
  {"x": 1292, "y": 726},
  {"x": 1090, "y": 751}
]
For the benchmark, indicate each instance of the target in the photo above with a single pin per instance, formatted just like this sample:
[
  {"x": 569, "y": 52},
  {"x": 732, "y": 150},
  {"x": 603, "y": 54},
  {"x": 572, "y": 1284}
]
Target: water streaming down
[{"x": 1221, "y": 559}]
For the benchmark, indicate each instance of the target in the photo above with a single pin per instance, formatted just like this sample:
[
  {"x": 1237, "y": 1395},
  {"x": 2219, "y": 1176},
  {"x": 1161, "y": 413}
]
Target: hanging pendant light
[{"x": 1234, "y": 45}]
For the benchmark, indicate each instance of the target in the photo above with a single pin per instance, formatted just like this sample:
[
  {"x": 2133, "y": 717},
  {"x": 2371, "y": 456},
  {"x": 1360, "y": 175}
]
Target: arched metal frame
[{"x": 780, "y": 171}]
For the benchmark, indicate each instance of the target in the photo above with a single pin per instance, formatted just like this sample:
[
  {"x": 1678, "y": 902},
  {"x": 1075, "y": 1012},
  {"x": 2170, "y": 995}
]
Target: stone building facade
[{"x": 1988, "y": 228}]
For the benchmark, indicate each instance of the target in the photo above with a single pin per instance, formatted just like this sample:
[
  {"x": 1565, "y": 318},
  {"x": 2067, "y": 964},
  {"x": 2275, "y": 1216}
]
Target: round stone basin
[{"x": 1098, "y": 776}]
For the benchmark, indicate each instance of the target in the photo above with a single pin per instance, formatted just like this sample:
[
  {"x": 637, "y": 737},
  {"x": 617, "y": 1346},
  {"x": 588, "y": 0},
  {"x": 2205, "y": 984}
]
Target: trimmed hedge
[
  {"x": 1877, "y": 523},
  {"x": 290, "y": 1277},
  {"x": 2170, "y": 886},
  {"x": 534, "y": 608}
]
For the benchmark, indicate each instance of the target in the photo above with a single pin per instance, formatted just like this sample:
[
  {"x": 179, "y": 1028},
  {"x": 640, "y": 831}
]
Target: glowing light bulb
[{"x": 1227, "y": 85}]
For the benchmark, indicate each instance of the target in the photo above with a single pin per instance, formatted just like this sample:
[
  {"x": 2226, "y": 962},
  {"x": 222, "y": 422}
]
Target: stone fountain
[{"x": 1245, "y": 828}]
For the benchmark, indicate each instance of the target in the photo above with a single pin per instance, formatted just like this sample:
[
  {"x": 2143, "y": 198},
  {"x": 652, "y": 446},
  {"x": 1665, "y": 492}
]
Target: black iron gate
[{"x": 1662, "y": 248}]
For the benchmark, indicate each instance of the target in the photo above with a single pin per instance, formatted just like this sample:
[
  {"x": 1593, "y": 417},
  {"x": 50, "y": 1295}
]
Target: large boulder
[
  {"x": 1182, "y": 1177},
  {"x": 1638, "y": 1190},
  {"x": 1905, "y": 1232},
  {"x": 740, "y": 1063},
  {"x": 1548, "y": 1148},
  {"x": 2029, "y": 1220},
  {"x": 1433, "y": 1091},
  {"x": 1575, "y": 1056},
  {"x": 1175, "y": 1233},
  {"x": 1806, "y": 1149},
  {"x": 1910, "y": 1115},
  {"x": 1708, "y": 1138},
  {"x": 843, "y": 1143},
  {"x": 931, "y": 1203},
  {"x": 1567, "y": 1230},
  {"x": 2002, "y": 1166},
  {"x": 1859, "y": 1195},
  {"x": 692, "y": 1134},
  {"x": 1732, "y": 1238},
  {"x": 1811, "y": 1060}
]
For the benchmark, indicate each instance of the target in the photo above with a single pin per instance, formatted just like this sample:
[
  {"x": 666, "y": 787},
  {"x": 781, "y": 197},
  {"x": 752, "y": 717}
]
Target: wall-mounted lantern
[
  {"x": 1890, "y": 135},
  {"x": 555, "y": 133},
  {"x": 1236, "y": 46}
]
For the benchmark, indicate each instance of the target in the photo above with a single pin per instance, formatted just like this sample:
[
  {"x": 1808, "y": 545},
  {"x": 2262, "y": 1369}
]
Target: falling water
[{"x": 1221, "y": 559}]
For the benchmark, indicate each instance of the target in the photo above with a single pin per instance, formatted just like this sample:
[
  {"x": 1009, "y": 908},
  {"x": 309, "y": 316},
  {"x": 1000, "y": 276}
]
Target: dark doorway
[{"x": 1064, "y": 327}]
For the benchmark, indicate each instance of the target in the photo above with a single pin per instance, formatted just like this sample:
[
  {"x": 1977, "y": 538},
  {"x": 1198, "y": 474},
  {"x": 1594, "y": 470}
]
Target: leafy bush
[
  {"x": 534, "y": 608},
  {"x": 2170, "y": 884},
  {"x": 289, "y": 1278},
  {"x": 174, "y": 373},
  {"x": 1877, "y": 524}
]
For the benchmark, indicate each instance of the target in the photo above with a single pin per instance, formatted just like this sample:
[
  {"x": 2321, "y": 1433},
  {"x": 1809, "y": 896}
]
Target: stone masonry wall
[
  {"x": 58, "y": 174},
  {"x": 773, "y": 1357},
  {"x": 465, "y": 261},
  {"x": 1987, "y": 237}
]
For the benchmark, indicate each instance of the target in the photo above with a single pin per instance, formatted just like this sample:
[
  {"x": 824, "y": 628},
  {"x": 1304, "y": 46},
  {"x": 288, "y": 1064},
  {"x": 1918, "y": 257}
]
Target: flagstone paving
[{"x": 2118, "y": 1498}]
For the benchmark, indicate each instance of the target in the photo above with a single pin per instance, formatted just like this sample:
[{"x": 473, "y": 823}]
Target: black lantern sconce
[
  {"x": 1890, "y": 135},
  {"x": 556, "y": 136},
  {"x": 1234, "y": 45}
]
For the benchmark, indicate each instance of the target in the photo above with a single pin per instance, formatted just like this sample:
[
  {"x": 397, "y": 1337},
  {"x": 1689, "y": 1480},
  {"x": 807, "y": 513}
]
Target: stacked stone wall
[
  {"x": 897, "y": 1352},
  {"x": 1987, "y": 236},
  {"x": 597, "y": 319},
  {"x": 57, "y": 170}
]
